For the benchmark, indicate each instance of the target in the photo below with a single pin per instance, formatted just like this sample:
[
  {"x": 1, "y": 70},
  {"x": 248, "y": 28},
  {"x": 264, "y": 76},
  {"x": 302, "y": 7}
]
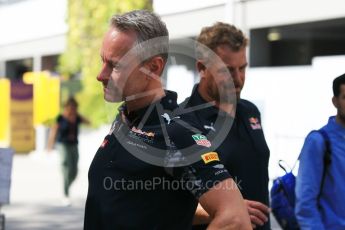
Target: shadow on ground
[{"x": 44, "y": 217}]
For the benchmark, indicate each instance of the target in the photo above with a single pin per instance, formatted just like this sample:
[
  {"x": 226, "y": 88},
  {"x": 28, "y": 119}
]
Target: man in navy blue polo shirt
[
  {"x": 243, "y": 150},
  {"x": 152, "y": 168}
]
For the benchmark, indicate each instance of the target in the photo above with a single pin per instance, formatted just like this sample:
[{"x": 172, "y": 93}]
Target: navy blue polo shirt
[
  {"x": 126, "y": 192},
  {"x": 244, "y": 151}
]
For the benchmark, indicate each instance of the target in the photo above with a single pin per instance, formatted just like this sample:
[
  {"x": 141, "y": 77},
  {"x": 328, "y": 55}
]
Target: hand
[
  {"x": 258, "y": 212},
  {"x": 49, "y": 149}
]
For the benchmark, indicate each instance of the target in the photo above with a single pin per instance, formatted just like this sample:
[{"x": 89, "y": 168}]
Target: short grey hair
[{"x": 147, "y": 25}]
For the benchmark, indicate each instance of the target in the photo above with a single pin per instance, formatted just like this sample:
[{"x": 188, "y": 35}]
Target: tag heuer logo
[{"x": 201, "y": 140}]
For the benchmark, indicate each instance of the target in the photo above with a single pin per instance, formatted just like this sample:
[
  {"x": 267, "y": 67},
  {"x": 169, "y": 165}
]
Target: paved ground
[
  {"x": 37, "y": 190},
  {"x": 36, "y": 196}
]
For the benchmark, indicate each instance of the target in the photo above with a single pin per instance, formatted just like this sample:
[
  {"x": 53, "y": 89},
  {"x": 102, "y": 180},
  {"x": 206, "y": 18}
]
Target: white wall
[
  {"x": 292, "y": 101},
  {"x": 32, "y": 28},
  {"x": 186, "y": 18},
  {"x": 265, "y": 13},
  {"x": 38, "y": 47},
  {"x": 164, "y": 7},
  {"x": 189, "y": 23},
  {"x": 32, "y": 19}
]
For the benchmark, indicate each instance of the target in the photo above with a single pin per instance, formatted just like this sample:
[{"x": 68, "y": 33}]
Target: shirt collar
[
  {"x": 335, "y": 126},
  {"x": 210, "y": 112},
  {"x": 168, "y": 102}
]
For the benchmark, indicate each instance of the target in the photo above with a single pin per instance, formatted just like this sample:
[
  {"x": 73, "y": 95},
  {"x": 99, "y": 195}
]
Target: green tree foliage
[{"x": 88, "y": 20}]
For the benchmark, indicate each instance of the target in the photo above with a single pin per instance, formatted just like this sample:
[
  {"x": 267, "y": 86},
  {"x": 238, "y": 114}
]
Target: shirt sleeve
[
  {"x": 79, "y": 119},
  {"x": 203, "y": 169},
  {"x": 308, "y": 182}
]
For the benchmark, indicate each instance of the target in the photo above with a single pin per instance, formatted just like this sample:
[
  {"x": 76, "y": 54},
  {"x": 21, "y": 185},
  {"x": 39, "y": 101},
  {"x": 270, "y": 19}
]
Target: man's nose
[
  {"x": 235, "y": 74},
  {"x": 104, "y": 75}
]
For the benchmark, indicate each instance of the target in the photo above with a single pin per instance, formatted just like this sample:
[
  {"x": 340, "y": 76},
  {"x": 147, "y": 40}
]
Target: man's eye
[
  {"x": 116, "y": 67},
  {"x": 222, "y": 71}
]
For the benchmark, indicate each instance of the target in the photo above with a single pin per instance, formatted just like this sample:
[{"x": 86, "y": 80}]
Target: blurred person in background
[
  {"x": 320, "y": 187},
  {"x": 244, "y": 151},
  {"x": 65, "y": 133}
]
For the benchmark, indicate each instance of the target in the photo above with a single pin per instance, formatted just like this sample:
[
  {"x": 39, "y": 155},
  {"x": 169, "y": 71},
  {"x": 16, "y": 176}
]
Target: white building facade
[{"x": 33, "y": 34}]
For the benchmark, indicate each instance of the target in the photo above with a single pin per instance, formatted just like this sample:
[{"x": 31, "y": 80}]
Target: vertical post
[
  {"x": 37, "y": 67},
  {"x": 2, "y": 220},
  {"x": 6, "y": 159},
  {"x": 2, "y": 69}
]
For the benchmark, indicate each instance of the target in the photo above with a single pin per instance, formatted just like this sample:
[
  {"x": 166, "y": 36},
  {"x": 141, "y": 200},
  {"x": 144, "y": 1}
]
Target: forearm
[
  {"x": 229, "y": 221},
  {"x": 226, "y": 207},
  {"x": 202, "y": 217},
  {"x": 51, "y": 138}
]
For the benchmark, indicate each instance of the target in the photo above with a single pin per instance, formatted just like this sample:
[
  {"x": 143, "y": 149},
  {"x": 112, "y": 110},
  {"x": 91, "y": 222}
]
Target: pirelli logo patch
[
  {"x": 209, "y": 157},
  {"x": 201, "y": 140}
]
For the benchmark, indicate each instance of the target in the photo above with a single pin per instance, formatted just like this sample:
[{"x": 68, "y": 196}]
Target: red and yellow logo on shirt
[
  {"x": 104, "y": 143},
  {"x": 254, "y": 123},
  {"x": 209, "y": 157}
]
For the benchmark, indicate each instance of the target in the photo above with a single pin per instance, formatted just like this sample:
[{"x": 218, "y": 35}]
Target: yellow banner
[
  {"x": 21, "y": 116},
  {"x": 46, "y": 96},
  {"x": 53, "y": 107},
  {"x": 4, "y": 111}
]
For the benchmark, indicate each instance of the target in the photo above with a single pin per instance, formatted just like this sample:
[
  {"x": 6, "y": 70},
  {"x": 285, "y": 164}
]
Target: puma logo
[
  {"x": 168, "y": 119},
  {"x": 210, "y": 127}
]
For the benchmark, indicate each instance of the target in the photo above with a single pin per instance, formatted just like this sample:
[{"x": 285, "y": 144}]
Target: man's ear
[
  {"x": 335, "y": 102},
  {"x": 154, "y": 67},
  {"x": 201, "y": 68}
]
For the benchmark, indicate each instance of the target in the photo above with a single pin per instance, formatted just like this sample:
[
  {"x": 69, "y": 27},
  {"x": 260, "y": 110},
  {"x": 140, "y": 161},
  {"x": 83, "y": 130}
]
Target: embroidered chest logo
[
  {"x": 210, "y": 127},
  {"x": 141, "y": 135},
  {"x": 104, "y": 143},
  {"x": 168, "y": 119},
  {"x": 254, "y": 123},
  {"x": 201, "y": 140}
]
